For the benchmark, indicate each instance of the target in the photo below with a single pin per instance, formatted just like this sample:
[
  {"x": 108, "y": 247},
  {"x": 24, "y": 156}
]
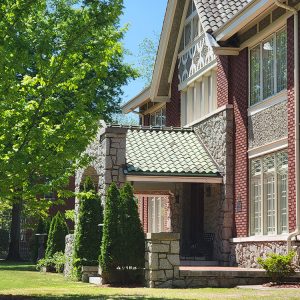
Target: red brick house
[{"x": 217, "y": 149}]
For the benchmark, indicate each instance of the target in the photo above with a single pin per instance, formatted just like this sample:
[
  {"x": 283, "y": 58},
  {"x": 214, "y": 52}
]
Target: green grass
[{"x": 18, "y": 280}]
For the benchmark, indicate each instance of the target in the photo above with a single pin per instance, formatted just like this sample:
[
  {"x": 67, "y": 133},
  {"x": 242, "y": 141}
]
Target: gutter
[{"x": 296, "y": 95}]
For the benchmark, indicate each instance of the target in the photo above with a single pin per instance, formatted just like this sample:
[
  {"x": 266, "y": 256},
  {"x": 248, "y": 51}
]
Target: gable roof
[
  {"x": 167, "y": 152},
  {"x": 215, "y": 13}
]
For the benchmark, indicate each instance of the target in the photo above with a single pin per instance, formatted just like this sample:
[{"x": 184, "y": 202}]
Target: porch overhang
[{"x": 169, "y": 178}]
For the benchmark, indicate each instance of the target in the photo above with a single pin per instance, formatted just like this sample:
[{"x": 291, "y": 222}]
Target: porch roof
[{"x": 167, "y": 152}]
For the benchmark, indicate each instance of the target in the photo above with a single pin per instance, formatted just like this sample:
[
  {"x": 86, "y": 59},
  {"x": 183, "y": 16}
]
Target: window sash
[
  {"x": 269, "y": 194},
  {"x": 268, "y": 67}
]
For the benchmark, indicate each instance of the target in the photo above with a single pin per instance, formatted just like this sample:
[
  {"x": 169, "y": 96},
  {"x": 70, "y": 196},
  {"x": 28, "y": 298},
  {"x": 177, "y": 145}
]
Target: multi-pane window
[
  {"x": 268, "y": 194},
  {"x": 156, "y": 214},
  {"x": 192, "y": 27},
  {"x": 268, "y": 67},
  {"x": 158, "y": 118}
]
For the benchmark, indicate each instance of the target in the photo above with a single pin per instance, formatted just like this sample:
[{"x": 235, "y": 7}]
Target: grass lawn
[{"x": 17, "y": 280}]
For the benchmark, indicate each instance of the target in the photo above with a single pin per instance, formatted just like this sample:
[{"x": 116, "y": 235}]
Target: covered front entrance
[{"x": 199, "y": 234}]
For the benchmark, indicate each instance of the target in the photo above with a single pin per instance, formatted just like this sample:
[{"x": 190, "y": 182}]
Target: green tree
[
  {"x": 62, "y": 70},
  {"x": 146, "y": 57},
  {"x": 111, "y": 250},
  {"x": 57, "y": 233},
  {"x": 88, "y": 232},
  {"x": 133, "y": 241}
]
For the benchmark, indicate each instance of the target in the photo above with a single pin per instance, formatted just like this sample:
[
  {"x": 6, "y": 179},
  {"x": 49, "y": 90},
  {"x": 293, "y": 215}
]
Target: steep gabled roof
[{"x": 215, "y": 13}]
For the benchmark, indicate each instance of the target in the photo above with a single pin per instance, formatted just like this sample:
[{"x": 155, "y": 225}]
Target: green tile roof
[{"x": 167, "y": 152}]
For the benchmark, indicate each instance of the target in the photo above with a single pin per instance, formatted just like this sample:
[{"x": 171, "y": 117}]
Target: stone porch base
[{"x": 222, "y": 277}]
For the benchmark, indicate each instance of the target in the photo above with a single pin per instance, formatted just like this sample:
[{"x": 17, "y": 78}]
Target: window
[
  {"x": 192, "y": 27},
  {"x": 158, "y": 118},
  {"x": 268, "y": 194},
  {"x": 156, "y": 214},
  {"x": 268, "y": 67}
]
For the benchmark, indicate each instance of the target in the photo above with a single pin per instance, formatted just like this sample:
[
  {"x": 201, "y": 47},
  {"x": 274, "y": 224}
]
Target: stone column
[
  {"x": 113, "y": 145},
  {"x": 162, "y": 260}
]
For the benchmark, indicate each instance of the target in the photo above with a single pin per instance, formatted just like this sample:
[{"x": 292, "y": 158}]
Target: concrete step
[
  {"x": 97, "y": 280},
  {"x": 192, "y": 258},
  {"x": 203, "y": 263}
]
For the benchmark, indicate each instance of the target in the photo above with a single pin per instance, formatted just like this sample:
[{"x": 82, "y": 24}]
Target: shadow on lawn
[
  {"x": 77, "y": 297},
  {"x": 16, "y": 266}
]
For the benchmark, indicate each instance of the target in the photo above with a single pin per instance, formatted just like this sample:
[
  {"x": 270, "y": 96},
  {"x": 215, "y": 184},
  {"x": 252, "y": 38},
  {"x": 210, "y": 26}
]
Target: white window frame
[
  {"x": 162, "y": 115},
  {"x": 190, "y": 20},
  {"x": 275, "y": 92},
  {"x": 263, "y": 177}
]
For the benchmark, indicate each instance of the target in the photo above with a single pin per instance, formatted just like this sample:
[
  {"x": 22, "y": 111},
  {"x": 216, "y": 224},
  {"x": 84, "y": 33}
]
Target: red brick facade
[
  {"x": 173, "y": 107},
  {"x": 223, "y": 81},
  {"x": 239, "y": 98},
  {"x": 291, "y": 124}
]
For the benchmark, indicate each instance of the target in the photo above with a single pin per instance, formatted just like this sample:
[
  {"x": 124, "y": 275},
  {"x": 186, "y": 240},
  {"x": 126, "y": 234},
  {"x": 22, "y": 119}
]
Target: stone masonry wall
[
  {"x": 268, "y": 125},
  {"x": 245, "y": 254},
  {"x": 162, "y": 259},
  {"x": 107, "y": 154},
  {"x": 216, "y": 133}
]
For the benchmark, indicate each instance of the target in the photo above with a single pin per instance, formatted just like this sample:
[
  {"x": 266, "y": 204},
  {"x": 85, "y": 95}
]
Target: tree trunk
[{"x": 15, "y": 233}]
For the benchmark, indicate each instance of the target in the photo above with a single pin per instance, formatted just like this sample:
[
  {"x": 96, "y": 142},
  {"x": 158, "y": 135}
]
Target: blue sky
[{"x": 145, "y": 17}]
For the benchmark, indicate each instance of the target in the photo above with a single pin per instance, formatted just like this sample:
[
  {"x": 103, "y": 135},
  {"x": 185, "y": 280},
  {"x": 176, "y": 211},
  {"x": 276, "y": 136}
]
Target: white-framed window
[
  {"x": 158, "y": 118},
  {"x": 156, "y": 214},
  {"x": 268, "y": 67},
  {"x": 269, "y": 194},
  {"x": 192, "y": 27},
  {"x": 199, "y": 98}
]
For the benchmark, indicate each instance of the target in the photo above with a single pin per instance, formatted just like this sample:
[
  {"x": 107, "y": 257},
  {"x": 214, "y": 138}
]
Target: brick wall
[
  {"x": 239, "y": 98},
  {"x": 223, "y": 81},
  {"x": 291, "y": 124},
  {"x": 173, "y": 107}
]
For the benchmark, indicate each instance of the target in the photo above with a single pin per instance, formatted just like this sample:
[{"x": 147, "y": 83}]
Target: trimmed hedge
[
  {"x": 133, "y": 240},
  {"x": 88, "y": 233},
  {"x": 57, "y": 233},
  {"x": 111, "y": 250}
]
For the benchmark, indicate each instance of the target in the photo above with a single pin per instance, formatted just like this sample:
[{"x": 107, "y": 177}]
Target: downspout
[{"x": 296, "y": 96}]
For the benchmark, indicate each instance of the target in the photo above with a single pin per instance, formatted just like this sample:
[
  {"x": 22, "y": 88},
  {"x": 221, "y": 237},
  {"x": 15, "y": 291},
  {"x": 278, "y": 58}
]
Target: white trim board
[
  {"x": 269, "y": 148},
  {"x": 261, "y": 238},
  {"x": 267, "y": 103},
  {"x": 174, "y": 179}
]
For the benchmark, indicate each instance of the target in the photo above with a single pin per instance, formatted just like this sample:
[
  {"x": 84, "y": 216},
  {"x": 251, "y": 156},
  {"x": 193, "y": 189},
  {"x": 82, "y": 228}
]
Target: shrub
[
  {"x": 56, "y": 262},
  {"x": 111, "y": 251},
  {"x": 278, "y": 266},
  {"x": 57, "y": 233},
  {"x": 88, "y": 233},
  {"x": 133, "y": 241}
]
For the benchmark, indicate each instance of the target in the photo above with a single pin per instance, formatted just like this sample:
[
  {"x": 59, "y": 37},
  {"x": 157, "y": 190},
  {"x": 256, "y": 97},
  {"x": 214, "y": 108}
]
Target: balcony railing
[{"x": 195, "y": 59}]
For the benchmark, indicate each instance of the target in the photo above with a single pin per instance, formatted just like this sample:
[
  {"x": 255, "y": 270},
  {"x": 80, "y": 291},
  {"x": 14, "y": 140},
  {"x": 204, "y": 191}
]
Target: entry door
[{"x": 197, "y": 212}]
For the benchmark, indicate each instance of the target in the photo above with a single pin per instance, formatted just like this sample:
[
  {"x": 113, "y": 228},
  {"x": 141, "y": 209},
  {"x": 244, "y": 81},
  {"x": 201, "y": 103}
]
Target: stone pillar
[
  {"x": 162, "y": 260},
  {"x": 113, "y": 145}
]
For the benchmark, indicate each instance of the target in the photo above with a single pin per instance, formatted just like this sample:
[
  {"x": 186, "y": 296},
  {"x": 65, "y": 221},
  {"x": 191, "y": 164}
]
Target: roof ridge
[{"x": 151, "y": 128}]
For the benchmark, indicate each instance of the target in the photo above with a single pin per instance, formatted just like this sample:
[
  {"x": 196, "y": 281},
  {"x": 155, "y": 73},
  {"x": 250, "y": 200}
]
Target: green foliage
[
  {"x": 4, "y": 240},
  {"x": 278, "y": 266},
  {"x": 62, "y": 70},
  {"x": 111, "y": 251},
  {"x": 88, "y": 233},
  {"x": 70, "y": 215},
  {"x": 146, "y": 58},
  {"x": 133, "y": 241},
  {"x": 56, "y": 262},
  {"x": 57, "y": 233}
]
